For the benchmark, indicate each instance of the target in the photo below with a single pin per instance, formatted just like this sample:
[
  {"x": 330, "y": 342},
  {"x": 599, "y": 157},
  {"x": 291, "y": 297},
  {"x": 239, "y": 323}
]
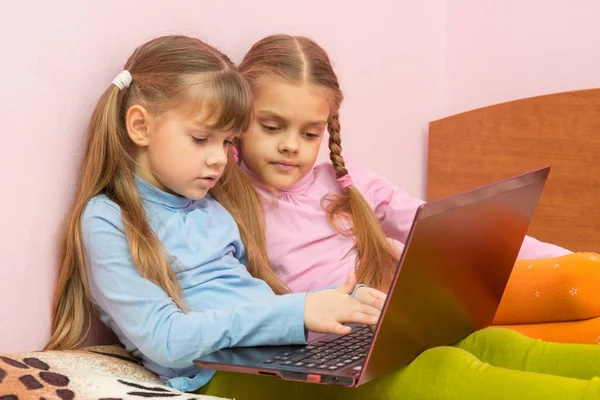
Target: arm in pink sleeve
[{"x": 395, "y": 209}]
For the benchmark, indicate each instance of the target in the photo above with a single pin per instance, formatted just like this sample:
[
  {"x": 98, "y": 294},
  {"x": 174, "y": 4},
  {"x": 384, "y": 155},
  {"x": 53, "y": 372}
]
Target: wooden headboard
[{"x": 563, "y": 130}]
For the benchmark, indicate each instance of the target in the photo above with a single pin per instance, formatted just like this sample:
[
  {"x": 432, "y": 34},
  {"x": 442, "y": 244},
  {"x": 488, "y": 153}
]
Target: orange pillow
[{"x": 564, "y": 288}]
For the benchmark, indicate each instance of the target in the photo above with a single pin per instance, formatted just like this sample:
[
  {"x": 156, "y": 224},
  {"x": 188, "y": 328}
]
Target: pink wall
[
  {"x": 505, "y": 50},
  {"x": 60, "y": 55}
]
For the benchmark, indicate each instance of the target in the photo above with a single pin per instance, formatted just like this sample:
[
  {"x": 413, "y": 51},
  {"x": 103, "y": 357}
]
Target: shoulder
[
  {"x": 365, "y": 176},
  {"x": 100, "y": 210}
]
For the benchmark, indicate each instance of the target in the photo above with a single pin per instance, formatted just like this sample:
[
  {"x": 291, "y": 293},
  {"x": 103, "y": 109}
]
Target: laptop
[{"x": 449, "y": 281}]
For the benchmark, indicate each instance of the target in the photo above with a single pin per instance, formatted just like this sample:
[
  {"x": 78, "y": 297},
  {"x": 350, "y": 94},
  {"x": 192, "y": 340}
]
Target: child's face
[
  {"x": 283, "y": 142},
  {"x": 180, "y": 155}
]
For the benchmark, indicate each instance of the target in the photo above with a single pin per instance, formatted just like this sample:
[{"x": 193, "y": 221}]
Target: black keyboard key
[{"x": 269, "y": 361}]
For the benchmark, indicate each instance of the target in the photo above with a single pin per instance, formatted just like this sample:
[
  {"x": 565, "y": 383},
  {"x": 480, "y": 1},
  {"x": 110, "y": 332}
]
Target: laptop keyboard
[{"x": 339, "y": 353}]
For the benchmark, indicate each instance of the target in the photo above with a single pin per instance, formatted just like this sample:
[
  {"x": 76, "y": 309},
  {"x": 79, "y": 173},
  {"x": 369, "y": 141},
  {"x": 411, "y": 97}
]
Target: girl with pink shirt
[{"x": 310, "y": 210}]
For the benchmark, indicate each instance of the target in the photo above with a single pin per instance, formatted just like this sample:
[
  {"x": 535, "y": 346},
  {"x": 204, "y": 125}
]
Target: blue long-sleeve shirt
[{"x": 226, "y": 306}]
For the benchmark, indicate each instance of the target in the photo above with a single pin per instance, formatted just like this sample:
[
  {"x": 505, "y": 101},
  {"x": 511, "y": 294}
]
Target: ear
[{"x": 138, "y": 122}]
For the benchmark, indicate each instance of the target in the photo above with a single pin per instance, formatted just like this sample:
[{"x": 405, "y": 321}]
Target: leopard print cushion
[{"x": 98, "y": 372}]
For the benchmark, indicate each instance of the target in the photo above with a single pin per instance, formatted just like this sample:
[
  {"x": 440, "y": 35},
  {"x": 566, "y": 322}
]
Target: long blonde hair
[
  {"x": 299, "y": 59},
  {"x": 162, "y": 70}
]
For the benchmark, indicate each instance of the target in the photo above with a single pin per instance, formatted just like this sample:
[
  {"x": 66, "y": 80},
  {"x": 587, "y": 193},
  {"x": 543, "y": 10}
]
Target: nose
[
  {"x": 289, "y": 143},
  {"x": 217, "y": 156}
]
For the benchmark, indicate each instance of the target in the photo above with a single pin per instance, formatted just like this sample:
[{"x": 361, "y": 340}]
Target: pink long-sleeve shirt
[{"x": 308, "y": 253}]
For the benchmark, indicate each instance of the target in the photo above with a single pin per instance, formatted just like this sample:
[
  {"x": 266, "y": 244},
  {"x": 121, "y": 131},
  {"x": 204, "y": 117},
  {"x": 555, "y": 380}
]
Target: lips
[
  {"x": 209, "y": 181},
  {"x": 213, "y": 176},
  {"x": 284, "y": 166},
  {"x": 285, "y": 163}
]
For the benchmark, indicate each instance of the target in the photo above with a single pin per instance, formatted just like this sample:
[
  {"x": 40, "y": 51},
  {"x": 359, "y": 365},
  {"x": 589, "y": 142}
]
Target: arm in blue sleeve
[{"x": 155, "y": 325}]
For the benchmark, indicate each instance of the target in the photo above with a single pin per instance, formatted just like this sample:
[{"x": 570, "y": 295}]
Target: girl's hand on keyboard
[
  {"x": 371, "y": 297},
  {"x": 326, "y": 310}
]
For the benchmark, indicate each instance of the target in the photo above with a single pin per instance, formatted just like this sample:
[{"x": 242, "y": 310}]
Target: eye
[
  {"x": 198, "y": 139},
  {"x": 311, "y": 135},
  {"x": 270, "y": 128}
]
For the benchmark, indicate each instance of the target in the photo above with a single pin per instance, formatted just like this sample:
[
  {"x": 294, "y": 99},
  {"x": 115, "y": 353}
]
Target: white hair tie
[{"x": 123, "y": 80}]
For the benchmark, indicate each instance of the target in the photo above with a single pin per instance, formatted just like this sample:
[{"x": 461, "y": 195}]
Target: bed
[{"x": 562, "y": 130}]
